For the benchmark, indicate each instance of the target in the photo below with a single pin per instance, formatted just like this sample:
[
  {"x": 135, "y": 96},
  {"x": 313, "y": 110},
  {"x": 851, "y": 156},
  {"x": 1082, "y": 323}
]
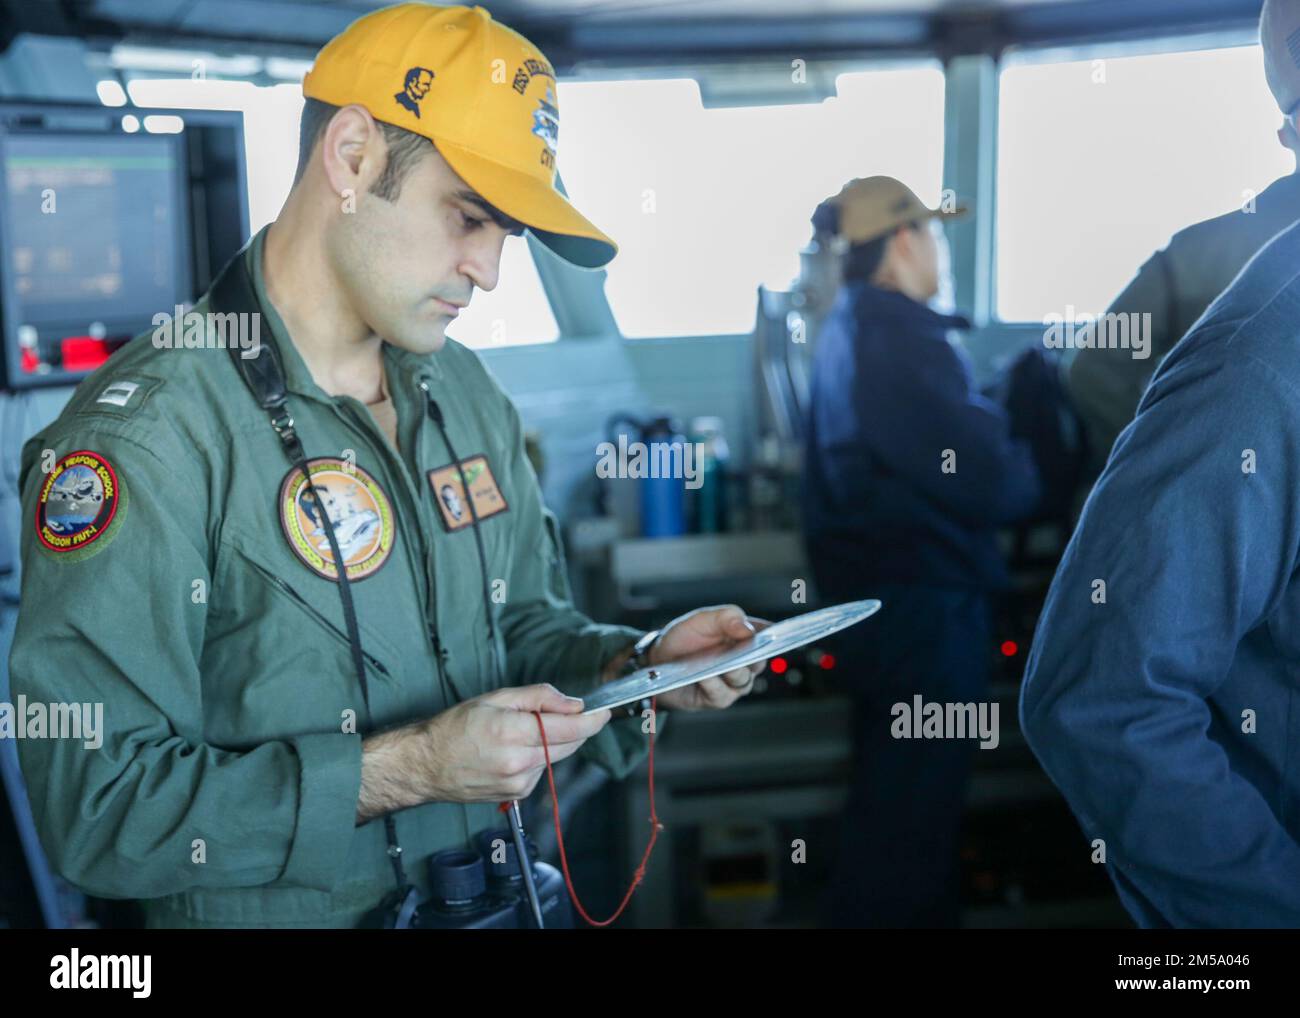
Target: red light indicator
[
  {"x": 1009, "y": 648},
  {"x": 827, "y": 662},
  {"x": 779, "y": 665}
]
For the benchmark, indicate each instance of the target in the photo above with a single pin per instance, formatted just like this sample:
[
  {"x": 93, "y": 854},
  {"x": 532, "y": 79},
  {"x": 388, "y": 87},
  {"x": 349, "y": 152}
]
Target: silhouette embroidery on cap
[{"x": 416, "y": 87}]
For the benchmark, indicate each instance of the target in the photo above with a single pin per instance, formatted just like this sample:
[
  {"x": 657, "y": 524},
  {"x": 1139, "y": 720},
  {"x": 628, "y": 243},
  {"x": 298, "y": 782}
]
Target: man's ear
[{"x": 352, "y": 150}]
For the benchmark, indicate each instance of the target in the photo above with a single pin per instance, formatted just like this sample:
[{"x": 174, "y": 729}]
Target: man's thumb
[
  {"x": 739, "y": 625},
  {"x": 542, "y": 697}
]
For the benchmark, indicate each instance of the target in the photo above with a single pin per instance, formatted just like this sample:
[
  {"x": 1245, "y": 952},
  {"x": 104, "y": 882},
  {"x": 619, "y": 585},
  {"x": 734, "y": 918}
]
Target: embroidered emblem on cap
[
  {"x": 546, "y": 125},
  {"x": 358, "y": 508},
  {"x": 78, "y": 505},
  {"x": 415, "y": 88}
]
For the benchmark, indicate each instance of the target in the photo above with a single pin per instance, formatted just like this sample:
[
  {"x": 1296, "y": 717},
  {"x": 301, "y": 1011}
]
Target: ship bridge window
[
  {"x": 708, "y": 203},
  {"x": 1101, "y": 159}
]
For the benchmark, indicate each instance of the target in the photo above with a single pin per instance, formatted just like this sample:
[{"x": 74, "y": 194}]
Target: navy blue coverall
[
  {"x": 1163, "y": 687},
  {"x": 908, "y": 473}
]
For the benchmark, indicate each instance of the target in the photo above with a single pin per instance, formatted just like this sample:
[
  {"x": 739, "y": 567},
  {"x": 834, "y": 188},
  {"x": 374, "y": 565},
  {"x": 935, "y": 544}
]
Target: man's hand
[
  {"x": 707, "y": 629},
  {"x": 487, "y": 749}
]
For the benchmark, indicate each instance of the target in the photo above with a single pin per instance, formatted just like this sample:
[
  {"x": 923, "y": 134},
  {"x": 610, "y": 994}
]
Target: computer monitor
[{"x": 105, "y": 224}]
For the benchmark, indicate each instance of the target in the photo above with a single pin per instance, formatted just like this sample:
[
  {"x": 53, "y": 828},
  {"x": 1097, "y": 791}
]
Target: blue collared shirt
[
  {"x": 908, "y": 469},
  {"x": 1163, "y": 688}
]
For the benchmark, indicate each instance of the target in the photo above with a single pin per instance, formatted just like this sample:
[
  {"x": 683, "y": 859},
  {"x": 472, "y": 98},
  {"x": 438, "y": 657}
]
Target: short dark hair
[
  {"x": 405, "y": 148},
  {"x": 862, "y": 260}
]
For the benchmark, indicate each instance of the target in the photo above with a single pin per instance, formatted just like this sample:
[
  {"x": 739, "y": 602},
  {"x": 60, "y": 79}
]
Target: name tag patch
[{"x": 449, "y": 492}]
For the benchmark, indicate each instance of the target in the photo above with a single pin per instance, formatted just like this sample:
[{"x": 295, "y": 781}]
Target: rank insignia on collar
[{"x": 358, "y": 508}]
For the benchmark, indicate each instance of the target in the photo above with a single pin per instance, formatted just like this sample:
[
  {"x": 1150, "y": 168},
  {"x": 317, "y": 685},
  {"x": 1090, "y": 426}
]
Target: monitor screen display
[{"x": 95, "y": 227}]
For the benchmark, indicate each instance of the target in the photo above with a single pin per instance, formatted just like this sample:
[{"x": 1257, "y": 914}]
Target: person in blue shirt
[
  {"x": 908, "y": 473},
  {"x": 1162, "y": 688}
]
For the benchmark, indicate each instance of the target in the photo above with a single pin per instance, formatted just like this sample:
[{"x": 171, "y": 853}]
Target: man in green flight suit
[{"x": 267, "y": 753}]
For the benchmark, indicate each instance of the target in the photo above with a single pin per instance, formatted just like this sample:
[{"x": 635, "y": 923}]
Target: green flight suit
[{"x": 225, "y": 790}]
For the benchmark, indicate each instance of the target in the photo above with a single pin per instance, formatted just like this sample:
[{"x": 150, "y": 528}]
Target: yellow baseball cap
[{"x": 481, "y": 92}]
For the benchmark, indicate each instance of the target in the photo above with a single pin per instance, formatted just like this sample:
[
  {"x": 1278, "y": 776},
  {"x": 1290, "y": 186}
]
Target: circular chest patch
[
  {"x": 78, "y": 503},
  {"x": 358, "y": 508}
]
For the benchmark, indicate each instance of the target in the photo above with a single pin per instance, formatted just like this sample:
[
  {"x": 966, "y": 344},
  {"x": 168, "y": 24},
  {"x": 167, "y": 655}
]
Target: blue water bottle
[
  {"x": 663, "y": 492},
  {"x": 658, "y": 466}
]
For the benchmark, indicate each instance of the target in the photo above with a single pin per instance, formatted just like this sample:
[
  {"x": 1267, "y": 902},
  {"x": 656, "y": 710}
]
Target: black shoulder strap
[{"x": 263, "y": 373}]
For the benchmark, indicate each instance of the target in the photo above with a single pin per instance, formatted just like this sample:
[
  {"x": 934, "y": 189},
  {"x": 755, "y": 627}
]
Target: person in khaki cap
[
  {"x": 291, "y": 747},
  {"x": 908, "y": 472},
  {"x": 1161, "y": 690}
]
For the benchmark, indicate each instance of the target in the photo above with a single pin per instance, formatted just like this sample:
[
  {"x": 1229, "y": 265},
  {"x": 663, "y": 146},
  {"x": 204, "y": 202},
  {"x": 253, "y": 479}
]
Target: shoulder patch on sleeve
[
  {"x": 122, "y": 397},
  {"x": 80, "y": 506}
]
